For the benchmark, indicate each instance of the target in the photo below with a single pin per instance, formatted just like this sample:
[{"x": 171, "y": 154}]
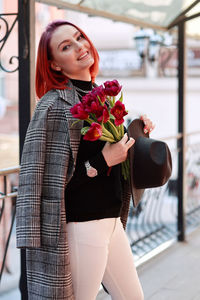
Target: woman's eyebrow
[{"x": 67, "y": 39}]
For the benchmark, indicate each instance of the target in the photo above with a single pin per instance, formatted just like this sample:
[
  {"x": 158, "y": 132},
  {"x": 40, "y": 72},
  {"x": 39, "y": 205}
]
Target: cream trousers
[{"x": 100, "y": 252}]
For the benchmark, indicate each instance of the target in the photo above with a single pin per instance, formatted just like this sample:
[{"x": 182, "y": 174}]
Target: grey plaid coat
[{"x": 47, "y": 165}]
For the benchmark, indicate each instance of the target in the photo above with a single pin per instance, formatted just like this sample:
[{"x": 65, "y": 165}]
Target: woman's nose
[{"x": 79, "y": 46}]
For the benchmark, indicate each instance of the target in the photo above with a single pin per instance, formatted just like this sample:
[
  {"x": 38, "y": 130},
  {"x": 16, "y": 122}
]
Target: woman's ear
[{"x": 54, "y": 66}]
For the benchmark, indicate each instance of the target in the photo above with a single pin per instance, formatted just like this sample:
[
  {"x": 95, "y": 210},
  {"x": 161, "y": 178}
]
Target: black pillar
[
  {"x": 181, "y": 129},
  {"x": 24, "y": 102},
  {"x": 24, "y": 69}
]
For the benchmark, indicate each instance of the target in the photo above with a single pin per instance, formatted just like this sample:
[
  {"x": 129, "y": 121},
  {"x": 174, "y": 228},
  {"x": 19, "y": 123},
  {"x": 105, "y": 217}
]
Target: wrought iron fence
[
  {"x": 8, "y": 194},
  {"x": 192, "y": 209},
  {"x": 7, "y": 23},
  {"x": 154, "y": 221}
]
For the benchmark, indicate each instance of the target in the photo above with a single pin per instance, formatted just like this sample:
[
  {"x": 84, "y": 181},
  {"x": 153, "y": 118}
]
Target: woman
[{"x": 69, "y": 211}]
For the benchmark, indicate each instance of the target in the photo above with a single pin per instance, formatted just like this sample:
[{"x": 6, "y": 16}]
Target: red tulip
[
  {"x": 93, "y": 133},
  {"x": 112, "y": 88},
  {"x": 99, "y": 91},
  {"x": 102, "y": 114},
  {"x": 90, "y": 103},
  {"x": 118, "y": 111},
  {"x": 78, "y": 111}
]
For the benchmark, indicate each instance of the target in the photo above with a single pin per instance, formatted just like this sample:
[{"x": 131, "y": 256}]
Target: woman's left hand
[{"x": 149, "y": 126}]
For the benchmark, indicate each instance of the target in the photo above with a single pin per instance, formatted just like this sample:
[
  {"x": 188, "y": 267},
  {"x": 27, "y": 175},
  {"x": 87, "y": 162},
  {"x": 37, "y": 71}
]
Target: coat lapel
[{"x": 71, "y": 97}]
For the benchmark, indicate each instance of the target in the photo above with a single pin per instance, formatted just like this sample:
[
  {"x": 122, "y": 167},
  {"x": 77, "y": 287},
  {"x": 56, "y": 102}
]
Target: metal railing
[
  {"x": 192, "y": 210},
  {"x": 155, "y": 220},
  {"x": 8, "y": 194}
]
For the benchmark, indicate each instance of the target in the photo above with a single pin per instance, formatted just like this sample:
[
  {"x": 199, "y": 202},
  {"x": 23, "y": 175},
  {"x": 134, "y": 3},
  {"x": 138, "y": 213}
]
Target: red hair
[{"x": 46, "y": 78}]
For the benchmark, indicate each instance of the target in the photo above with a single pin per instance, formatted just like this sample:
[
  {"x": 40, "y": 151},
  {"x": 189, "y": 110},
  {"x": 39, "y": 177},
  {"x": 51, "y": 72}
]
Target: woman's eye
[
  {"x": 65, "y": 47},
  {"x": 80, "y": 37}
]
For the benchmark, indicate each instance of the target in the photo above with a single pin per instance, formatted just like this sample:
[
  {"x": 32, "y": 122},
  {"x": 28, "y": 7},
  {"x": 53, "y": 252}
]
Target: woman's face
[{"x": 71, "y": 53}]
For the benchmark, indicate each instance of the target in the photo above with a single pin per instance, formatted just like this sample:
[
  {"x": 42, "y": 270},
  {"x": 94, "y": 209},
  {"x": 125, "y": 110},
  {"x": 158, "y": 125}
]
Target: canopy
[{"x": 157, "y": 14}]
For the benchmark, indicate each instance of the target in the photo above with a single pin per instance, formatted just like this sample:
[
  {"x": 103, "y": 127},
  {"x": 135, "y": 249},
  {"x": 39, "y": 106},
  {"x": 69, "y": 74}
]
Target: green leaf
[
  {"x": 109, "y": 98},
  {"x": 93, "y": 117},
  {"x": 121, "y": 97},
  {"x": 84, "y": 130},
  {"x": 102, "y": 104},
  {"x": 112, "y": 117}
]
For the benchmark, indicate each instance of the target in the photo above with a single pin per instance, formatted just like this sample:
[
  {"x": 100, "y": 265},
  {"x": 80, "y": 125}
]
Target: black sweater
[{"x": 93, "y": 198}]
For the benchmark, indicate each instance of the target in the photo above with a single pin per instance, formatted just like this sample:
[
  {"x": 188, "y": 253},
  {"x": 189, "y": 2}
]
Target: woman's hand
[
  {"x": 117, "y": 152},
  {"x": 149, "y": 126}
]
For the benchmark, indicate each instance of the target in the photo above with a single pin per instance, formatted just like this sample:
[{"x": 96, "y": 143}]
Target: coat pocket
[{"x": 50, "y": 222}]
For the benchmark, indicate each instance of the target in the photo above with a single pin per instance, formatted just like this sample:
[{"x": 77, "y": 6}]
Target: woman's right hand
[{"x": 117, "y": 152}]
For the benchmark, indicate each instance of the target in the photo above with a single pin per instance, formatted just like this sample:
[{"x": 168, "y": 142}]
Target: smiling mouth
[{"x": 83, "y": 56}]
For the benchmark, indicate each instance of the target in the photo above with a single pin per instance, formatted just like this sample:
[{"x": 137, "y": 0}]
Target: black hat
[{"x": 150, "y": 161}]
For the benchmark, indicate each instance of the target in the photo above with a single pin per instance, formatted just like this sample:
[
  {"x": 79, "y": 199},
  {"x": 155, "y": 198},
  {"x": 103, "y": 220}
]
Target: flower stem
[
  {"x": 125, "y": 169},
  {"x": 107, "y": 139},
  {"x": 109, "y": 98},
  {"x": 107, "y": 133},
  {"x": 90, "y": 121},
  {"x": 114, "y": 130},
  {"x": 122, "y": 130}
]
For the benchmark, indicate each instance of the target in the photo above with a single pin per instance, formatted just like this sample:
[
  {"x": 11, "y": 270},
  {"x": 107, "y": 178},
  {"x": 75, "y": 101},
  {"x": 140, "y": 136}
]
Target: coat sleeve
[{"x": 30, "y": 182}]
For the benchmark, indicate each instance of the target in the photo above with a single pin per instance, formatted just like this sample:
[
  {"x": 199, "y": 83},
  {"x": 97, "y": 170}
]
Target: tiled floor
[{"x": 175, "y": 273}]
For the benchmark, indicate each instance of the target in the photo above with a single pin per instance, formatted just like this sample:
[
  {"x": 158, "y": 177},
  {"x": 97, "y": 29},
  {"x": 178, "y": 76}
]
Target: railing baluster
[
  {"x": 6, "y": 195},
  {"x": 2, "y": 206},
  {"x": 7, "y": 242}
]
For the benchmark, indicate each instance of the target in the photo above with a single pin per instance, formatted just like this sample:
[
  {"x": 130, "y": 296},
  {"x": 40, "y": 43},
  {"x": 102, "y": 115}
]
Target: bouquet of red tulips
[{"x": 104, "y": 114}]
